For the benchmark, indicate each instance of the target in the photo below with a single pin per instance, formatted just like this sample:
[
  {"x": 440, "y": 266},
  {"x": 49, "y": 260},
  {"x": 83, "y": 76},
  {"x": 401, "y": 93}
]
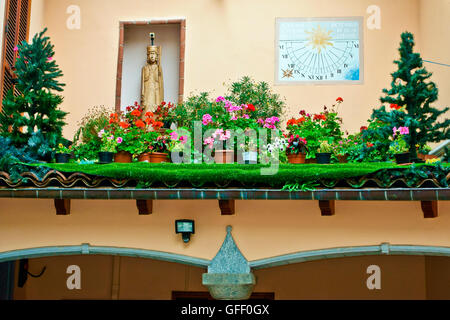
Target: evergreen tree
[
  {"x": 32, "y": 117},
  {"x": 410, "y": 98}
]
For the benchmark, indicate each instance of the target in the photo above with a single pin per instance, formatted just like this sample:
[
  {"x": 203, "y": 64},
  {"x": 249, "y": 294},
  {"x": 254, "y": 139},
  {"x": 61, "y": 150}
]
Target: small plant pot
[
  {"x": 402, "y": 158},
  {"x": 62, "y": 157},
  {"x": 342, "y": 158},
  {"x": 105, "y": 157},
  {"x": 144, "y": 157},
  {"x": 224, "y": 156},
  {"x": 158, "y": 157},
  {"x": 323, "y": 158},
  {"x": 310, "y": 160},
  {"x": 296, "y": 158},
  {"x": 123, "y": 157},
  {"x": 250, "y": 157}
]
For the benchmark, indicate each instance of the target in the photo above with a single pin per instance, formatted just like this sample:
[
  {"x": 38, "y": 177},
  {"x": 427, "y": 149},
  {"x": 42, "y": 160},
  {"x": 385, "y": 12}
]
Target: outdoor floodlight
[{"x": 185, "y": 227}]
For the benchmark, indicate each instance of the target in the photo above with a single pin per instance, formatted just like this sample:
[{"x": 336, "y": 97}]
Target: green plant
[
  {"x": 34, "y": 111},
  {"x": 63, "y": 149},
  {"x": 325, "y": 147},
  {"x": 399, "y": 145},
  {"x": 410, "y": 98},
  {"x": 108, "y": 141},
  {"x": 248, "y": 91}
]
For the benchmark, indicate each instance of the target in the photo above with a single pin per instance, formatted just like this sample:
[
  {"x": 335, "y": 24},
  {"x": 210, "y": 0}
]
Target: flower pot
[
  {"x": 123, "y": 157},
  {"x": 342, "y": 158},
  {"x": 105, "y": 157},
  {"x": 144, "y": 157},
  {"x": 425, "y": 157},
  {"x": 224, "y": 156},
  {"x": 250, "y": 157},
  {"x": 323, "y": 158},
  {"x": 62, "y": 157},
  {"x": 402, "y": 158},
  {"x": 296, "y": 158},
  {"x": 310, "y": 160},
  {"x": 158, "y": 157}
]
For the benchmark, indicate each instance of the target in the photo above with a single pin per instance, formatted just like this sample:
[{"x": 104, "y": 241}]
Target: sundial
[{"x": 319, "y": 50}]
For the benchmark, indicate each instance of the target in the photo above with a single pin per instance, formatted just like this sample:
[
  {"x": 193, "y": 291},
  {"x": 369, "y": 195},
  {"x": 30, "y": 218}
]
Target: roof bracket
[
  {"x": 226, "y": 207},
  {"x": 327, "y": 207},
  {"x": 145, "y": 207},
  {"x": 429, "y": 208},
  {"x": 62, "y": 206}
]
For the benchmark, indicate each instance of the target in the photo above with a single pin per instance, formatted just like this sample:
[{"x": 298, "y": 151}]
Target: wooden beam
[
  {"x": 327, "y": 207},
  {"x": 144, "y": 206},
  {"x": 62, "y": 206},
  {"x": 429, "y": 208},
  {"x": 226, "y": 207}
]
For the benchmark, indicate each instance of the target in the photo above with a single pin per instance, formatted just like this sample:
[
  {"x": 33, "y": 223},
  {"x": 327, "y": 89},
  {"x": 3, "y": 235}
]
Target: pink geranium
[
  {"x": 173, "y": 135},
  {"x": 207, "y": 119},
  {"x": 119, "y": 140}
]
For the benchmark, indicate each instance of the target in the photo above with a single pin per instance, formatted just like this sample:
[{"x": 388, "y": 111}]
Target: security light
[{"x": 185, "y": 227}]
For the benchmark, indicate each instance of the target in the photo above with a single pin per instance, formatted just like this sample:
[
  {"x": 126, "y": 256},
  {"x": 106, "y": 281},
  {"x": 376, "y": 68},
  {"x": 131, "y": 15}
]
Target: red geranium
[
  {"x": 124, "y": 125},
  {"x": 362, "y": 128},
  {"x": 320, "y": 117},
  {"x": 369, "y": 144},
  {"x": 140, "y": 124},
  {"x": 395, "y": 106},
  {"x": 251, "y": 107},
  {"x": 339, "y": 99},
  {"x": 136, "y": 113}
]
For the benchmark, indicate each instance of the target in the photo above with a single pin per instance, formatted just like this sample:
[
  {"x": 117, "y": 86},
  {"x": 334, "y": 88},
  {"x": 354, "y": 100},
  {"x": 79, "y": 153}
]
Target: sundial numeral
[
  {"x": 296, "y": 71},
  {"x": 345, "y": 65},
  {"x": 292, "y": 65},
  {"x": 351, "y": 56},
  {"x": 303, "y": 75},
  {"x": 356, "y": 45},
  {"x": 281, "y": 46},
  {"x": 311, "y": 77},
  {"x": 319, "y": 78},
  {"x": 285, "y": 56},
  {"x": 338, "y": 71},
  {"x": 332, "y": 75}
]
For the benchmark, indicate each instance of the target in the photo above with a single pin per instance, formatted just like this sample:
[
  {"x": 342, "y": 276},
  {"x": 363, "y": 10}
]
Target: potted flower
[
  {"x": 323, "y": 154},
  {"x": 63, "y": 154},
  {"x": 249, "y": 149},
  {"x": 398, "y": 147},
  {"x": 177, "y": 141},
  {"x": 276, "y": 149},
  {"x": 296, "y": 149},
  {"x": 162, "y": 113},
  {"x": 107, "y": 147},
  {"x": 217, "y": 139}
]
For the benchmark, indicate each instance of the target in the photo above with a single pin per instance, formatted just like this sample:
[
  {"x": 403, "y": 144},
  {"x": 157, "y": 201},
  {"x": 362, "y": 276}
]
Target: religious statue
[{"x": 152, "y": 87}]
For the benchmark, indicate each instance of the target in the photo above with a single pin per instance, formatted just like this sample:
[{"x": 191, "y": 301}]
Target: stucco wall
[
  {"x": 261, "y": 229},
  {"x": 402, "y": 277},
  {"x": 224, "y": 41},
  {"x": 2, "y": 22}
]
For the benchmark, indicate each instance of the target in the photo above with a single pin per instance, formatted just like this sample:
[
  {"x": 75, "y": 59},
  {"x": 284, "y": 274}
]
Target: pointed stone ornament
[{"x": 229, "y": 276}]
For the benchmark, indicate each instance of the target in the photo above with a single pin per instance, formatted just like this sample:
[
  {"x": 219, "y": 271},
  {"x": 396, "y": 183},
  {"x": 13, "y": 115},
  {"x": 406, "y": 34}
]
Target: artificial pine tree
[
  {"x": 410, "y": 98},
  {"x": 32, "y": 117}
]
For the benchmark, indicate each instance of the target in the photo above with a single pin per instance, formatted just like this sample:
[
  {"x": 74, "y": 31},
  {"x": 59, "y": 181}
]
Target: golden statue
[{"x": 152, "y": 86}]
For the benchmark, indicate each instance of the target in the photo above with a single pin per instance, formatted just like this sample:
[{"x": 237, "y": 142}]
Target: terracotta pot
[
  {"x": 311, "y": 160},
  {"x": 343, "y": 158},
  {"x": 426, "y": 156},
  {"x": 123, "y": 157},
  {"x": 224, "y": 156},
  {"x": 296, "y": 158},
  {"x": 144, "y": 157},
  {"x": 158, "y": 157}
]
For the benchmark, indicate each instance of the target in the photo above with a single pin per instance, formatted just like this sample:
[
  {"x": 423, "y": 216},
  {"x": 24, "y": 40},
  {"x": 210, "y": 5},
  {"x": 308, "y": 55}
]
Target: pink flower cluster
[
  {"x": 229, "y": 105},
  {"x": 207, "y": 118},
  {"x": 174, "y": 137},
  {"x": 401, "y": 130},
  {"x": 220, "y": 135},
  {"x": 270, "y": 122}
]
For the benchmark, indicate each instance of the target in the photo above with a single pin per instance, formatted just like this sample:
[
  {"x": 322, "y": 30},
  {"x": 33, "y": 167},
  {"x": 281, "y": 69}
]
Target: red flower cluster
[
  {"x": 395, "y": 106},
  {"x": 362, "y": 128},
  {"x": 320, "y": 117},
  {"x": 113, "y": 118},
  {"x": 251, "y": 107},
  {"x": 293, "y": 121},
  {"x": 339, "y": 100}
]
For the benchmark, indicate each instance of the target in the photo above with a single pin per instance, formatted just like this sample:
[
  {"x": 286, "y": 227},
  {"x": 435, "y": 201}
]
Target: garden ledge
[{"x": 428, "y": 197}]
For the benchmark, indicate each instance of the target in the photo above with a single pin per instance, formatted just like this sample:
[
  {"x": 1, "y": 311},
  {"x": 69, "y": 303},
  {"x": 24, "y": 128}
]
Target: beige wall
[
  {"x": 37, "y": 23},
  {"x": 402, "y": 277},
  {"x": 224, "y": 41},
  {"x": 435, "y": 44},
  {"x": 261, "y": 229}
]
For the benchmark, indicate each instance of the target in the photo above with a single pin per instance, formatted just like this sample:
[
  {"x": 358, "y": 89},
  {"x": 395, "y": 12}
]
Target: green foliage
[
  {"x": 86, "y": 140},
  {"x": 248, "y": 91},
  {"x": 32, "y": 118},
  {"x": 325, "y": 147},
  {"x": 308, "y": 186},
  {"x": 11, "y": 159},
  {"x": 410, "y": 98},
  {"x": 399, "y": 145}
]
